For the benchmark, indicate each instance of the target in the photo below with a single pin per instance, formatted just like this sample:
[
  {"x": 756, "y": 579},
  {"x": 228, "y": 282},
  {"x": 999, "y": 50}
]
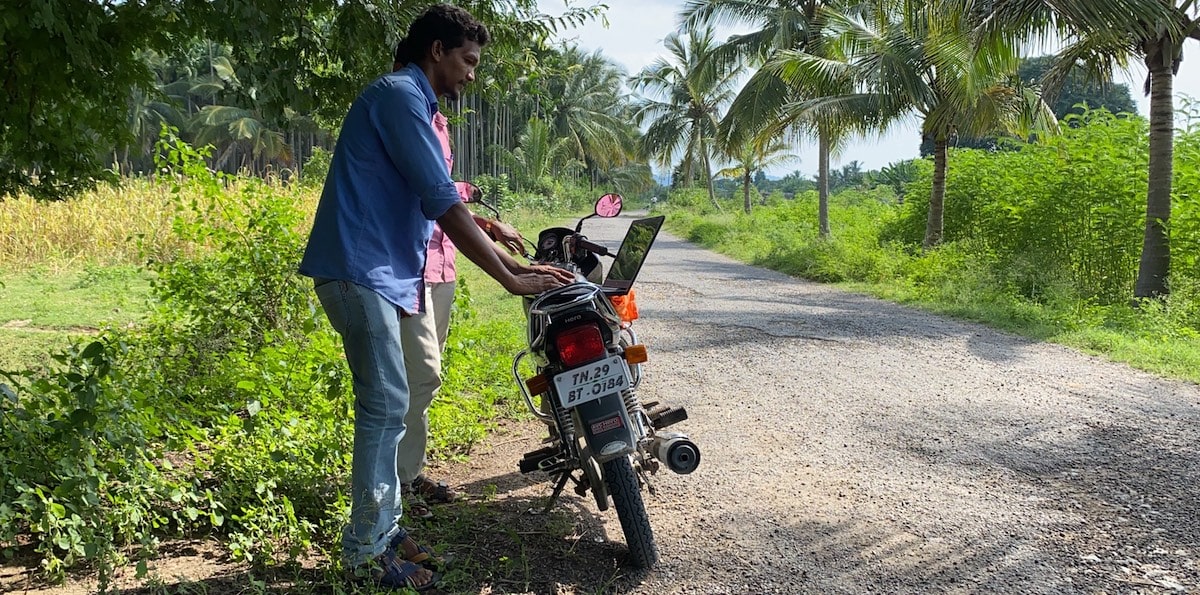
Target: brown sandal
[{"x": 433, "y": 492}]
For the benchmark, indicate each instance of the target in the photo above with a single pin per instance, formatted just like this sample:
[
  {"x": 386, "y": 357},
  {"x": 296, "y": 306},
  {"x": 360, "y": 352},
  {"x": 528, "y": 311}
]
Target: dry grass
[
  {"x": 127, "y": 223},
  {"x": 100, "y": 227}
]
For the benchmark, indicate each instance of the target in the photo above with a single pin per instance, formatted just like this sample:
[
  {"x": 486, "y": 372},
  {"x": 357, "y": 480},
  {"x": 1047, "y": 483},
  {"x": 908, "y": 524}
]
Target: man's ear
[{"x": 436, "y": 50}]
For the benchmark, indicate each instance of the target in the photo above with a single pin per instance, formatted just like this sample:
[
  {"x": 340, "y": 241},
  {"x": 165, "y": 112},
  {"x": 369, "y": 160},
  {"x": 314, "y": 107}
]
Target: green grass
[{"x": 41, "y": 309}]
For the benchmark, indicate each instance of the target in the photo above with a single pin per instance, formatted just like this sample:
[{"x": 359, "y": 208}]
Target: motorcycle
[{"x": 588, "y": 362}]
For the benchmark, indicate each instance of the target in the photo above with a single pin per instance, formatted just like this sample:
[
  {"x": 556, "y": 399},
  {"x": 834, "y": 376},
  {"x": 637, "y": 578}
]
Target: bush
[
  {"x": 316, "y": 168},
  {"x": 1077, "y": 201},
  {"x": 228, "y": 411},
  {"x": 224, "y": 413}
]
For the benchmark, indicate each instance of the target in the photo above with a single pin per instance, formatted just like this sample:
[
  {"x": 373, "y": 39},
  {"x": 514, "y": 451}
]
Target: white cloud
[{"x": 634, "y": 40}]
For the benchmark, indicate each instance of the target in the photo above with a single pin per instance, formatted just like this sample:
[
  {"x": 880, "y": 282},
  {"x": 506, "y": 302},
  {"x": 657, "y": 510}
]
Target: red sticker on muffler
[{"x": 606, "y": 425}]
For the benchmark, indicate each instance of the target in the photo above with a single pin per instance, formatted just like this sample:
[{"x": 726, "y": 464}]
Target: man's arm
[
  {"x": 401, "y": 115},
  {"x": 458, "y": 223},
  {"x": 502, "y": 232}
]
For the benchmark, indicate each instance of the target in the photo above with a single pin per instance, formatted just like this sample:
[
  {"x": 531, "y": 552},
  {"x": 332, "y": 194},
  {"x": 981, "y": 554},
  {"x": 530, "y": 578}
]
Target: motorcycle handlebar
[{"x": 591, "y": 247}]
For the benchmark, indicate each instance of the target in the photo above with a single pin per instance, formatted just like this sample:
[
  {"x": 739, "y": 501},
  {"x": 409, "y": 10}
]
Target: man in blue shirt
[{"x": 386, "y": 186}]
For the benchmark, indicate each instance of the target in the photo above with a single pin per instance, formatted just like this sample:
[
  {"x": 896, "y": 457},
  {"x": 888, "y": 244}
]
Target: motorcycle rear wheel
[{"x": 631, "y": 511}]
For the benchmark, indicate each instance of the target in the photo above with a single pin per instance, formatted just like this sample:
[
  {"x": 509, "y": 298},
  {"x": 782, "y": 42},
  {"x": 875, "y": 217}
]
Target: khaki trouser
[{"x": 423, "y": 337}]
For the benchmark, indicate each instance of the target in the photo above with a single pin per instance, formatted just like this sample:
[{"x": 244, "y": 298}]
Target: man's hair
[{"x": 451, "y": 25}]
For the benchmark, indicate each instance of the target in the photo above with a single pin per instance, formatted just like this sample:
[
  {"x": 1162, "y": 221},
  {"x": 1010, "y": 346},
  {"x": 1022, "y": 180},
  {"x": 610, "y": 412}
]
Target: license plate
[{"x": 590, "y": 382}]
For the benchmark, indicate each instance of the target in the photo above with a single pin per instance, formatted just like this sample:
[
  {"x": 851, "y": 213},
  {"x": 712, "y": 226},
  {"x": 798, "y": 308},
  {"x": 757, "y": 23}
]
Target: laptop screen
[{"x": 632, "y": 254}]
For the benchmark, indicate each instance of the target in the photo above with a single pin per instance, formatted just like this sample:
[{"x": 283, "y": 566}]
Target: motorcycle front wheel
[{"x": 631, "y": 511}]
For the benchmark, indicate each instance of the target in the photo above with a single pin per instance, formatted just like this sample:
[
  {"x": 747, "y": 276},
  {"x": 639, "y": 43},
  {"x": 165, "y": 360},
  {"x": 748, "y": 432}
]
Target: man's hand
[
  {"x": 532, "y": 283},
  {"x": 561, "y": 274},
  {"x": 508, "y": 237}
]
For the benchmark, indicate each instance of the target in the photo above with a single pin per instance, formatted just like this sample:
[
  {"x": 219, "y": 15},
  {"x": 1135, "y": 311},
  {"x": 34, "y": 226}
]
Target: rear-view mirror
[
  {"x": 469, "y": 192},
  {"x": 609, "y": 205}
]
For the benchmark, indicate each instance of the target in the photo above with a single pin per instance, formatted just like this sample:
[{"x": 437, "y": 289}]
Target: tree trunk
[
  {"x": 937, "y": 199},
  {"x": 1156, "y": 248},
  {"x": 823, "y": 184},
  {"x": 708, "y": 181},
  {"x": 746, "y": 190}
]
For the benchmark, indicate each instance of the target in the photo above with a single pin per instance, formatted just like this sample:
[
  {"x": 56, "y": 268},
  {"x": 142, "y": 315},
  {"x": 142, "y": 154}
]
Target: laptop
[{"x": 631, "y": 255}]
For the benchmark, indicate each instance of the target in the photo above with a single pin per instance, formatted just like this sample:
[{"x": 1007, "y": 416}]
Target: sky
[{"x": 634, "y": 37}]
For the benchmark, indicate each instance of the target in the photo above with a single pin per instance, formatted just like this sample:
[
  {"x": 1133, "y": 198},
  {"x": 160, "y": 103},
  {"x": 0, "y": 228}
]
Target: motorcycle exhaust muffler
[{"x": 676, "y": 451}]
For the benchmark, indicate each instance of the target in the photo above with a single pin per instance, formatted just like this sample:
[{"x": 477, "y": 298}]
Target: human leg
[
  {"x": 370, "y": 331},
  {"x": 423, "y": 363},
  {"x": 442, "y": 300}
]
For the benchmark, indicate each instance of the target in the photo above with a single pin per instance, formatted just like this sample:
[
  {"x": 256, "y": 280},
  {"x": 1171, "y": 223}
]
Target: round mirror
[
  {"x": 469, "y": 192},
  {"x": 609, "y": 205}
]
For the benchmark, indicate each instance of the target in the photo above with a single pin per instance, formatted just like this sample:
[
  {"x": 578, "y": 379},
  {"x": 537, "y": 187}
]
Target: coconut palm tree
[
  {"x": 233, "y": 129},
  {"x": 1103, "y": 35},
  {"x": 149, "y": 111},
  {"x": 758, "y": 110},
  {"x": 538, "y": 156},
  {"x": 917, "y": 62},
  {"x": 755, "y": 157},
  {"x": 587, "y": 109},
  {"x": 683, "y": 96}
]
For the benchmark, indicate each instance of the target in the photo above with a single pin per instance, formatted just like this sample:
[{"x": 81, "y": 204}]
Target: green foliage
[
  {"x": 1043, "y": 241},
  {"x": 78, "y": 86},
  {"x": 70, "y": 65},
  {"x": 1065, "y": 210},
  {"x": 227, "y": 412},
  {"x": 550, "y": 195},
  {"x": 222, "y": 413},
  {"x": 316, "y": 168},
  {"x": 1078, "y": 86},
  {"x": 77, "y": 471}
]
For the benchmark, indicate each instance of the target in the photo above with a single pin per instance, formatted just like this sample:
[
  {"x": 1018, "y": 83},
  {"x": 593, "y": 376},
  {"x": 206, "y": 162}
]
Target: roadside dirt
[{"x": 849, "y": 446}]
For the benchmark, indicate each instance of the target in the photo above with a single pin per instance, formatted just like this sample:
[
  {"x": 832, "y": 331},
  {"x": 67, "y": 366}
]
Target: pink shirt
[{"x": 439, "y": 259}]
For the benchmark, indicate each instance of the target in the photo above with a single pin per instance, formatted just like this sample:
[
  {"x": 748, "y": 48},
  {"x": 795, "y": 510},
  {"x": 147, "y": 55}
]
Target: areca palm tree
[
  {"x": 1102, "y": 35},
  {"x": 683, "y": 97},
  {"x": 754, "y": 157}
]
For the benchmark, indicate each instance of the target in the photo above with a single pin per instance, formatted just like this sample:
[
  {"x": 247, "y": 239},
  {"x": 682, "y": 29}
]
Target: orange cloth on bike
[{"x": 626, "y": 306}]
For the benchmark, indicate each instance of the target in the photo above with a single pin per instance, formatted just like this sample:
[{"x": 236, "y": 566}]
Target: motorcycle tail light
[{"x": 580, "y": 345}]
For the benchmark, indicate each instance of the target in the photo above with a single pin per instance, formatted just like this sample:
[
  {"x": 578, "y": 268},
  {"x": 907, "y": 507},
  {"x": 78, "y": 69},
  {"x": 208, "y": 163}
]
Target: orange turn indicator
[
  {"x": 538, "y": 384},
  {"x": 635, "y": 354}
]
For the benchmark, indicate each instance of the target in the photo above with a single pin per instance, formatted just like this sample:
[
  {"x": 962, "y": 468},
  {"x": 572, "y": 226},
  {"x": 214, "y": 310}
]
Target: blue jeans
[{"x": 370, "y": 330}]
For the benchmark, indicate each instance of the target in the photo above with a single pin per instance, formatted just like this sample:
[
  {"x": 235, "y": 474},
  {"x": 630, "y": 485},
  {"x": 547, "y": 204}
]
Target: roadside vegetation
[
  {"x": 1041, "y": 240},
  {"x": 200, "y": 394}
]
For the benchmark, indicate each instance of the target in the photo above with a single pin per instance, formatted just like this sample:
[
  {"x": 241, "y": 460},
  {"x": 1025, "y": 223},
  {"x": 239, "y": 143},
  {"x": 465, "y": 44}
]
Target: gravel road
[{"x": 855, "y": 446}]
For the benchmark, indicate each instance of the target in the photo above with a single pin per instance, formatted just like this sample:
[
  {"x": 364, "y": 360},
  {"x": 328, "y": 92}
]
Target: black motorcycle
[{"x": 589, "y": 362}]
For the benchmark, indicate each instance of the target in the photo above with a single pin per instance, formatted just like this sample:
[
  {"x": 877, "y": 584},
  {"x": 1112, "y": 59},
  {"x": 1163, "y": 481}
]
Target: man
[
  {"x": 387, "y": 183},
  {"x": 423, "y": 337}
]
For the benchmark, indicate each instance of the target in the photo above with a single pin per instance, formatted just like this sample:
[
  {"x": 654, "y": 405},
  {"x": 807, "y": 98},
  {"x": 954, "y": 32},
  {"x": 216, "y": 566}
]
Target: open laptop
[{"x": 631, "y": 255}]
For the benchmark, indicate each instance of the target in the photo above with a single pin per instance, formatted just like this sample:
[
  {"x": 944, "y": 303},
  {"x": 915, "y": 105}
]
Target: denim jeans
[{"x": 370, "y": 330}]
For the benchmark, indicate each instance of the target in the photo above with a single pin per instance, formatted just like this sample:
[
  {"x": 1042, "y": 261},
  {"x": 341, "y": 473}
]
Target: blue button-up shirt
[{"x": 386, "y": 184}]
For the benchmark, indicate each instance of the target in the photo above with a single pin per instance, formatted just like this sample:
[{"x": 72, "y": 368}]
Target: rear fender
[{"x": 605, "y": 427}]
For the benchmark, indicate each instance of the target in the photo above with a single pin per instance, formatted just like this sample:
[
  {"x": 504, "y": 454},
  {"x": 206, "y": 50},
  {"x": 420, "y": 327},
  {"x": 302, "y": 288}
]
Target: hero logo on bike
[
  {"x": 606, "y": 425},
  {"x": 590, "y": 382}
]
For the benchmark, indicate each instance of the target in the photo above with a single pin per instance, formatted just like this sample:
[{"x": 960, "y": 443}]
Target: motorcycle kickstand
[
  {"x": 558, "y": 488},
  {"x": 646, "y": 479}
]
